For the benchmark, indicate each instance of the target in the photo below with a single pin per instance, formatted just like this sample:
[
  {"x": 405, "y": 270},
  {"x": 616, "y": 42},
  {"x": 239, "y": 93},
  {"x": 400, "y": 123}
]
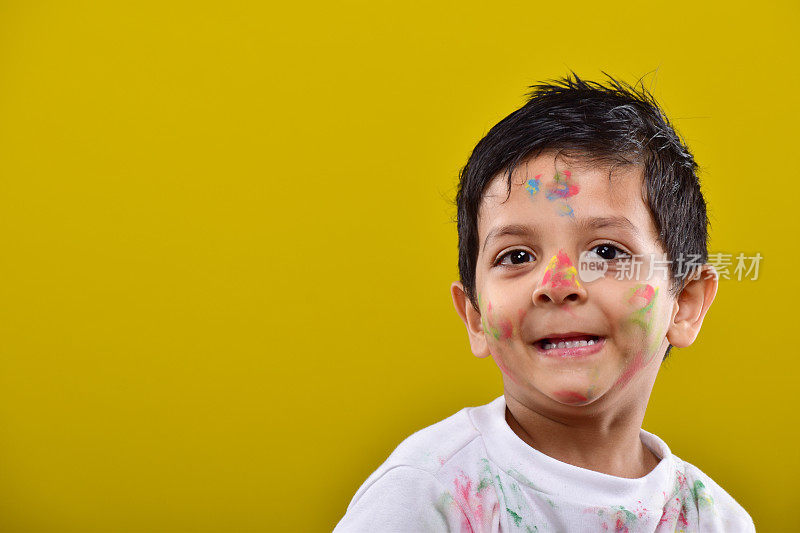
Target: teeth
[{"x": 568, "y": 344}]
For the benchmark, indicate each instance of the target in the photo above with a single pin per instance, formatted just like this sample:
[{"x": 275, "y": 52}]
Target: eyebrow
[{"x": 584, "y": 223}]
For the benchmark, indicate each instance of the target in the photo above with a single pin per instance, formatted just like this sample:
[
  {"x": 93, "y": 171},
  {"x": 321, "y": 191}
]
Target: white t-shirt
[{"x": 471, "y": 472}]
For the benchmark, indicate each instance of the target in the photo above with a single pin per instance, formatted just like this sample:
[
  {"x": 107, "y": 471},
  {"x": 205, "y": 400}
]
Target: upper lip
[{"x": 566, "y": 334}]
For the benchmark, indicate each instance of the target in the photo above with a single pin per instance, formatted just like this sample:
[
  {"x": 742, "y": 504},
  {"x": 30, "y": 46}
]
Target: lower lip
[{"x": 576, "y": 351}]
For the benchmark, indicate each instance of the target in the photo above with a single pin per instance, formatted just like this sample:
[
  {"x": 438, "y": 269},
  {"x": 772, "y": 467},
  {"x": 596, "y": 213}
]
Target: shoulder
[
  {"x": 429, "y": 448},
  {"x": 402, "y": 498},
  {"x": 410, "y": 490},
  {"x": 713, "y": 503}
]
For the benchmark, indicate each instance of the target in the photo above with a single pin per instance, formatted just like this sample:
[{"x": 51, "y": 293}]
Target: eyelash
[{"x": 499, "y": 260}]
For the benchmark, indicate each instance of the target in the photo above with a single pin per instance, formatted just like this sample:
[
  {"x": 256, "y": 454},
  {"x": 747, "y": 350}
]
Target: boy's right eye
[{"x": 515, "y": 257}]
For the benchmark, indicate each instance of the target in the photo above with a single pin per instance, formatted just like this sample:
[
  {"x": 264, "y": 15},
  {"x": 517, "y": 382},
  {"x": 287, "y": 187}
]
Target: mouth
[{"x": 570, "y": 344}]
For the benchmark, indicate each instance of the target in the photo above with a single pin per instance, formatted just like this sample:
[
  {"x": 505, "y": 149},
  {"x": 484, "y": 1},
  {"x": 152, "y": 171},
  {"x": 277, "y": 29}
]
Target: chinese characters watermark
[{"x": 645, "y": 266}]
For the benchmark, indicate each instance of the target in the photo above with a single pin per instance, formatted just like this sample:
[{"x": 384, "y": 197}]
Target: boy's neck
[{"x": 610, "y": 446}]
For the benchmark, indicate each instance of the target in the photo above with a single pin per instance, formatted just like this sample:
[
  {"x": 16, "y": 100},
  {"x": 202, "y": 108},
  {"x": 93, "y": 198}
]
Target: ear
[
  {"x": 691, "y": 307},
  {"x": 471, "y": 318}
]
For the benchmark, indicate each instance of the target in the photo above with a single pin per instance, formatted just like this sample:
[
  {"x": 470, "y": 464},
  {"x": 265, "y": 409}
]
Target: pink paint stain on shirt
[{"x": 475, "y": 501}]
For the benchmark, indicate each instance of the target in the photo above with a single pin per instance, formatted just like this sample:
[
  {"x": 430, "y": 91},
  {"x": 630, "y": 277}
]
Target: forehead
[{"x": 550, "y": 191}]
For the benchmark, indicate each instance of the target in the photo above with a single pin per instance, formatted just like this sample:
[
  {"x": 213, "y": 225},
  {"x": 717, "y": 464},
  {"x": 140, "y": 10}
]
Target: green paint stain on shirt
[
  {"x": 484, "y": 482},
  {"x": 629, "y": 516},
  {"x": 700, "y": 495}
]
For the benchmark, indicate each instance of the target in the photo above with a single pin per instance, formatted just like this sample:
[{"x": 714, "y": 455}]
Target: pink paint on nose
[
  {"x": 562, "y": 260},
  {"x": 561, "y": 273}
]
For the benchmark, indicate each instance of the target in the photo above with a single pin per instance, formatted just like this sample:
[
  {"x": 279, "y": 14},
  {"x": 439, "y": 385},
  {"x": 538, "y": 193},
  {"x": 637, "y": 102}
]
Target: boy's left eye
[{"x": 609, "y": 252}]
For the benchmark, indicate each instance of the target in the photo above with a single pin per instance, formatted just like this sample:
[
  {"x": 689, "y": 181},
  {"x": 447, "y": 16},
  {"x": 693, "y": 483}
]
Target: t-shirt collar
[{"x": 545, "y": 474}]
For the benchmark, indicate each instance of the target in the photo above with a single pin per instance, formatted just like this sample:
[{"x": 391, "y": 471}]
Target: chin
[{"x": 572, "y": 397}]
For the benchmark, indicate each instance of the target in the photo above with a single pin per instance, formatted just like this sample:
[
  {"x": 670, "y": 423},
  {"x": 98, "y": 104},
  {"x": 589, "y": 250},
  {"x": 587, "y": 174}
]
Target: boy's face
[{"x": 532, "y": 297}]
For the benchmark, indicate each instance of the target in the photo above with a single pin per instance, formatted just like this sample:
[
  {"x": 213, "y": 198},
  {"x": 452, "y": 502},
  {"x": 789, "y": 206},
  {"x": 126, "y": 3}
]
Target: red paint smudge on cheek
[
  {"x": 504, "y": 369},
  {"x": 647, "y": 292},
  {"x": 507, "y": 329},
  {"x": 633, "y": 368}
]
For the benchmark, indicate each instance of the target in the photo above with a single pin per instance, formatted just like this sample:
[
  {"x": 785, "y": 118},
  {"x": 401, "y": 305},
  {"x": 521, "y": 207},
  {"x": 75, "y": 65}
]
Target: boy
[{"x": 576, "y": 215}]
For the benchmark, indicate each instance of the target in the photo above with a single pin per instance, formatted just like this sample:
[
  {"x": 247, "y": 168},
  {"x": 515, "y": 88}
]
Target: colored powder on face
[
  {"x": 485, "y": 311},
  {"x": 570, "y": 397},
  {"x": 507, "y": 329},
  {"x": 503, "y": 369},
  {"x": 499, "y": 328},
  {"x": 590, "y": 392},
  {"x": 565, "y": 210},
  {"x": 491, "y": 329},
  {"x": 566, "y": 308},
  {"x": 561, "y": 273},
  {"x": 644, "y": 316},
  {"x": 636, "y": 365},
  {"x": 562, "y": 187},
  {"x": 532, "y": 185}
]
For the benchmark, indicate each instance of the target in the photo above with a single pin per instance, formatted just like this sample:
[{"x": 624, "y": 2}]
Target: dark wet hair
[{"x": 612, "y": 123}]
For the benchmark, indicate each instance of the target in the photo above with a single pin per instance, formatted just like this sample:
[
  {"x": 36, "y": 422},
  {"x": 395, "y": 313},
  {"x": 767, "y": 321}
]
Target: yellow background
[{"x": 227, "y": 244}]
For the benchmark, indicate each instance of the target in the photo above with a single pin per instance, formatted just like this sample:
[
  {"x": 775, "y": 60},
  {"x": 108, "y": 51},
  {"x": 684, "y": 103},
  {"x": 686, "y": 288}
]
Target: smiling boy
[{"x": 574, "y": 214}]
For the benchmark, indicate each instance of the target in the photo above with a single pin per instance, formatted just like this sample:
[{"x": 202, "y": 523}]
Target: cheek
[
  {"x": 641, "y": 300},
  {"x": 497, "y": 324}
]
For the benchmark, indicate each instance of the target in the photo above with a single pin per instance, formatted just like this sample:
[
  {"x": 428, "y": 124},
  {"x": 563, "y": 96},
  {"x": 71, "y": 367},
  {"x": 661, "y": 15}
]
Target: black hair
[{"x": 613, "y": 123}]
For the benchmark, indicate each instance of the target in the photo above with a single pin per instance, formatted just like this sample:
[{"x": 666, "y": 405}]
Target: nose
[{"x": 560, "y": 283}]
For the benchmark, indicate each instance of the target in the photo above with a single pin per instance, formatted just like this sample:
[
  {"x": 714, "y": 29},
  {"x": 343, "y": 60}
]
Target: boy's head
[{"x": 557, "y": 206}]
